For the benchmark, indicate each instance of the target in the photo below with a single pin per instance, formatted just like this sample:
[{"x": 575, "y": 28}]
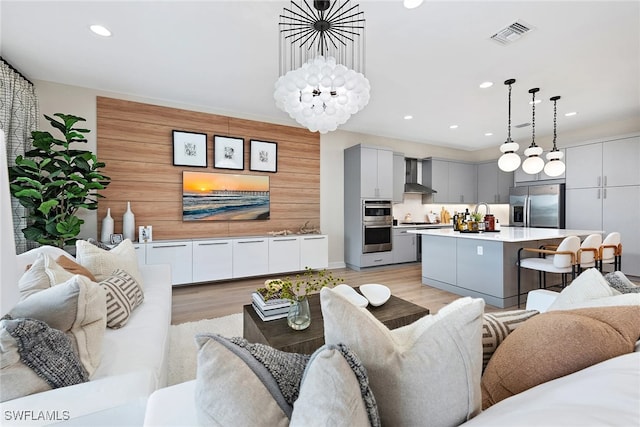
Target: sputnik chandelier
[{"x": 321, "y": 80}]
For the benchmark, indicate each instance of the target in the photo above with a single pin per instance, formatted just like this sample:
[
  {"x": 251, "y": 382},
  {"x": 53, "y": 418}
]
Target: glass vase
[{"x": 299, "y": 316}]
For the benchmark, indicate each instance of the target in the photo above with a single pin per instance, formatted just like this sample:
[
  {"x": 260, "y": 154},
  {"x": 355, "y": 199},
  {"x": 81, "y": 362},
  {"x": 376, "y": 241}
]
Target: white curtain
[{"x": 18, "y": 118}]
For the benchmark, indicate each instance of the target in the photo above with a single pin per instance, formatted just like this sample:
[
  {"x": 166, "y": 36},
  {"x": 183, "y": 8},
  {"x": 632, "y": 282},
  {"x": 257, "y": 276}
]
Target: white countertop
[
  {"x": 510, "y": 234},
  {"x": 423, "y": 226}
]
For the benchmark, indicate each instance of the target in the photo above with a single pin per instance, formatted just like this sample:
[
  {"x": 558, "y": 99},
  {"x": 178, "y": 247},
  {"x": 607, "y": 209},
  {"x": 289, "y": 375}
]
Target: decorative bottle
[
  {"x": 107, "y": 227},
  {"x": 128, "y": 224}
]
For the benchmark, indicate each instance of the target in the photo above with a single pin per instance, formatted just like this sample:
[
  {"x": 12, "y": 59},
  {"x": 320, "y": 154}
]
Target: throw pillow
[
  {"x": 239, "y": 383},
  {"x": 43, "y": 273},
  {"x": 424, "y": 373},
  {"x": 35, "y": 358},
  {"x": 496, "y": 326},
  {"x": 73, "y": 267},
  {"x": 76, "y": 307},
  {"x": 618, "y": 281},
  {"x": 328, "y": 382},
  {"x": 555, "y": 344},
  {"x": 590, "y": 289},
  {"x": 123, "y": 296},
  {"x": 103, "y": 263}
]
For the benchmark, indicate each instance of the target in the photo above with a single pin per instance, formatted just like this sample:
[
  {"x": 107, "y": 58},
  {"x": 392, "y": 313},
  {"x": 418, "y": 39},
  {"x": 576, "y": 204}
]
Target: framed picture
[
  {"x": 210, "y": 196},
  {"x": 264, "y": 156},
  {"x": 189, "y": 149},
  {"x": 228, "y": 152},
  {"x": 116, "y": 239},
  {"x": 145, "y": 234}
]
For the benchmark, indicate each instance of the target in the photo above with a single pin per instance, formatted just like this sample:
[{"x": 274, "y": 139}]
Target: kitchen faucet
[{"x": 485, "y": 205}]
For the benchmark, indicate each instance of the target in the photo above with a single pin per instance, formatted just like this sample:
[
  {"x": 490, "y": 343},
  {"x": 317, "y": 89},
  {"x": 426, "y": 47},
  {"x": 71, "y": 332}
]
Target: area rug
[{"x": 182, "y": 345}]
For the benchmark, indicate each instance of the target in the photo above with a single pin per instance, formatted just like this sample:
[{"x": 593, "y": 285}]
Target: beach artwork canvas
[{"x": 224, "y": 197}]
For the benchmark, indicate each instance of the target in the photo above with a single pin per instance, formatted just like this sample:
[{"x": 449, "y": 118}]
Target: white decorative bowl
[
  {"x": 376, "y": 294},
  {"x": 354, "y": 297}
]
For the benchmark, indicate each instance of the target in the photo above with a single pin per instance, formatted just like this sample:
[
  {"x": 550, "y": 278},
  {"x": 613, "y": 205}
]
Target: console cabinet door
[
  {"x": 141, "y": 252},
  {"x": 284, "y": 254},
  {"x": 314, "y": 251},
  {"x": 212, "y": 260},
  {"x": 178, "y": 254},
  {"x": 250, "y": 257}
]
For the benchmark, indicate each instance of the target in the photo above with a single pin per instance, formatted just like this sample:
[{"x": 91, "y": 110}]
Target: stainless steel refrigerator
[{"x": 540, "y": 206}]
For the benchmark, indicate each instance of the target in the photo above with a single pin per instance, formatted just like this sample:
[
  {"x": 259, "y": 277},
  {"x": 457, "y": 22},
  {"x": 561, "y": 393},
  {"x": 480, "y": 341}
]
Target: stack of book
[{"x": 271, "y": 309}]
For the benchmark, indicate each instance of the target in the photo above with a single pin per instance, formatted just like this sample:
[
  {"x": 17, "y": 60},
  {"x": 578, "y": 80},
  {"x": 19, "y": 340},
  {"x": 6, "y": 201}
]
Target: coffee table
[{"x": 395, "y": 313}]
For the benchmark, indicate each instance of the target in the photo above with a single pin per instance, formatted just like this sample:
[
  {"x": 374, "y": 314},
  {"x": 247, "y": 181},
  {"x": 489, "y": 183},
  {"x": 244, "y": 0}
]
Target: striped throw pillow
[
  {"x": 123, "y": 296},
  {"x": 495, "y": 328}
]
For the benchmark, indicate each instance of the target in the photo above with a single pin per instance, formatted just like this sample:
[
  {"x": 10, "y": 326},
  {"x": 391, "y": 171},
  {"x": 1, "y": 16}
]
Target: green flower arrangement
[{"x": 299, "y": 287}]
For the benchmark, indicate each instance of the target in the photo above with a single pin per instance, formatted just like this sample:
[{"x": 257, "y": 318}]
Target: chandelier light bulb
[
  {"x": 331, "y": 93},
  {"x": 509, "y": 162},
  {"x": 533, "y": 165}
]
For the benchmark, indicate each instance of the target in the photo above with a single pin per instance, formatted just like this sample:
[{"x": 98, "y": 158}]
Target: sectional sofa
[{"x": 132, "y": 359}]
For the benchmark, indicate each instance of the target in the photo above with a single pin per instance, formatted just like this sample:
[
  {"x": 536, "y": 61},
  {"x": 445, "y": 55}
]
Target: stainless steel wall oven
[{"x": 377, "y": 226}]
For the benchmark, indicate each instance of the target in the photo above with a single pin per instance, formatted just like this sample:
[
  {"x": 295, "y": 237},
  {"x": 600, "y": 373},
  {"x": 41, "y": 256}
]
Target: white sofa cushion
[
  {"x": 44, "y": 273},
  {"x": 590, "y": 289},
  {"x": 605, "y": 393},
  {"x": 424, "y": 373}
]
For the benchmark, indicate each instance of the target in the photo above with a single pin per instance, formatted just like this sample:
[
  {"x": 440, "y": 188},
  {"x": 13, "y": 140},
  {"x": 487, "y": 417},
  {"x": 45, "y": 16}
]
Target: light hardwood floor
[{"x": 210, "y": 300}]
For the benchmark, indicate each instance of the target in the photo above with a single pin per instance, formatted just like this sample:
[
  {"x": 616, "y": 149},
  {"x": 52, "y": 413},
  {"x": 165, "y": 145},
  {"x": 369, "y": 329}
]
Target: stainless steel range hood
[{"x": 411, "y": 184}]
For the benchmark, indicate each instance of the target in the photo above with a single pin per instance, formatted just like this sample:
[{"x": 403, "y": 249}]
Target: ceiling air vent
[
  {"x": 522, "y": 125},
  {"x": 510, "y": 34}
]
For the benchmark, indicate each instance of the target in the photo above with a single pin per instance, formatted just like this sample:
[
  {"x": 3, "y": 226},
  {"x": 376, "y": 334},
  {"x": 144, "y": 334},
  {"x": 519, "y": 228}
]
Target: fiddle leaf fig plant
[{"x": 54, "y": 179}]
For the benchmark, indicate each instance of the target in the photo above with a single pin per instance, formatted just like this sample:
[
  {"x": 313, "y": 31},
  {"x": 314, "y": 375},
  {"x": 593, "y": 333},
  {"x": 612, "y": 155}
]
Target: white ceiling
[{"x": 427, "y": 62}]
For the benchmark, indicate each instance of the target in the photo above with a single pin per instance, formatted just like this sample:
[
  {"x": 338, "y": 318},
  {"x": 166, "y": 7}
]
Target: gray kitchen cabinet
[
  {"x": 455, "y": 182},
  {"x": 493, "y": 184},
  {"x": 604, "y": 164},
  {"x": 212, "y": 260},
  {"x": 398, "y": 177},
  {"x": 176, "y": 253},
  {"x": 404, "y": 245},
  {"x": 372, "y": 167},
  {"x": 603, "y": 192}
]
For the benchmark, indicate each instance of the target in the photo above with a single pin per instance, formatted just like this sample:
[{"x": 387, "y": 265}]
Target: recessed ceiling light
[
  {"x": 408, "y": 117},
  {"x": 573, "y": 113},
  {"x": 488, "y": 134},
  {"x": 453, "y": 127},
  {"x": 412, "y": 4},
  {"x": 100, "y": 30},
  {"x": 485, "y": 85}
]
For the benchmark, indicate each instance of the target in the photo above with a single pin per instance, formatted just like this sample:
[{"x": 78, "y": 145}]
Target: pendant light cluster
[{"x": 533, "y": 164}]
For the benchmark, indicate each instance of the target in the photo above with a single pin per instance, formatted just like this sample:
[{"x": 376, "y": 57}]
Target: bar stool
[
  {"x": 611, "y": 251},
  {"x": 564, "y": 261},
  {"x": 589, "y": 252}
]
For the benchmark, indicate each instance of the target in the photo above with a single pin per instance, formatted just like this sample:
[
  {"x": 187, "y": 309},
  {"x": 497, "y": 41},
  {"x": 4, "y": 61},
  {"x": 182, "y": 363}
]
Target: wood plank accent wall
[{"x": 135, "y": 141}]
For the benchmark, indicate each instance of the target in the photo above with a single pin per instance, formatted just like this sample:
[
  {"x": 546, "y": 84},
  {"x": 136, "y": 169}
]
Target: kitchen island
[{"x": 483, "y": 265}]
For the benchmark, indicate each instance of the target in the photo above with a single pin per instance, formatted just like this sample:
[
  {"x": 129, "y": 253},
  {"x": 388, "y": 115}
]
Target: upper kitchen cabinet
[
  {"x": 604, "y": 164},
  {"x": 372, "y": 167},
  {"x": 493, "y": 184},
  {"x": 455, "y": 182},
  {"x": 521, "y": 176},
  {"x": 398, "y": 177}
]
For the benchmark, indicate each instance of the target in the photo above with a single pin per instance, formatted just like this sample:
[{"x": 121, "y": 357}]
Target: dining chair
[
  {"x": 589, "y": 252},
  {"x": 611, "y": 251},
  {"x": 563, "y": 261}
]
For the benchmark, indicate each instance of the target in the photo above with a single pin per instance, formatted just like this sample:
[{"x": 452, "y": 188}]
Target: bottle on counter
[
  {"x": 497, "y": 227},
  {"x": 467, "y": 215},
  {"x": 455, "y": 221}
]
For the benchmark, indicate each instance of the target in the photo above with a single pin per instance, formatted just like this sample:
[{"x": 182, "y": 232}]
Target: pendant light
[
  {"x": 510, "y": 160},
  {"x": 555, "y": 166},
  {"x": 533, "y": 163}
]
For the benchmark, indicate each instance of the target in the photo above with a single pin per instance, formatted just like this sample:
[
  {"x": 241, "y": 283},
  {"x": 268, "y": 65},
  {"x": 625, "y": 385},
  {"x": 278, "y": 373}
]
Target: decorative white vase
[
  {"x": 129, "y": 224},
  {"x": 107, "y": 227}
]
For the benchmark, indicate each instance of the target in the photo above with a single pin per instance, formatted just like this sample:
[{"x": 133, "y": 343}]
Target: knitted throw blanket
[{"x": 48, "y": 352}]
